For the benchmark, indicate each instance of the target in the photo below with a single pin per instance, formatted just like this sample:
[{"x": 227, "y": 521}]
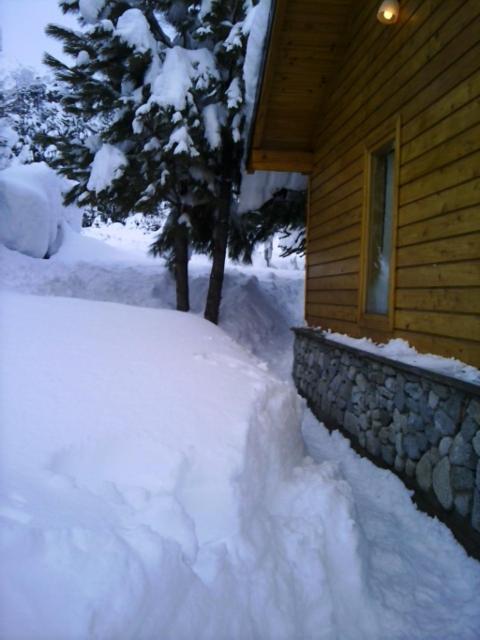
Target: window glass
[{"x": 380, "y": 230}]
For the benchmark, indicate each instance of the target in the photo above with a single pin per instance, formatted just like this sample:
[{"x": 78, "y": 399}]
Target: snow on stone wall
[{"x": 424, "y": 425}]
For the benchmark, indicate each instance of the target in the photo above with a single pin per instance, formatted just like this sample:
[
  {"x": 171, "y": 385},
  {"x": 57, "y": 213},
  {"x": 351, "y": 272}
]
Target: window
[
  {"x": 379, "y": 221},
  {"x": 380, "y": 232}
]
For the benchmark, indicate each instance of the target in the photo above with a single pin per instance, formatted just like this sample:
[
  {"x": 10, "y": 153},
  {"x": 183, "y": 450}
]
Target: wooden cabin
[{"x": 385, "y": 119}]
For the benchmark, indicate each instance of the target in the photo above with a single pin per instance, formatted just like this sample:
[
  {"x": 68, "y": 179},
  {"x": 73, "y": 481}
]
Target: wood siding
[
  {"x": 425, "y": 70},
  {"x": 308, "y": 37}
]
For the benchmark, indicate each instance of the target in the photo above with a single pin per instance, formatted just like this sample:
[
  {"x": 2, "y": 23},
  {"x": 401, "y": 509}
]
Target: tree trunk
[
  {"x": 181, "y": 267},
  {"x": 220, "y": 238}
]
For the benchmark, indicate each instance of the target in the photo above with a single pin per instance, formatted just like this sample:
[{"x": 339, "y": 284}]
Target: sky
[{"x": 22, "y": 24}]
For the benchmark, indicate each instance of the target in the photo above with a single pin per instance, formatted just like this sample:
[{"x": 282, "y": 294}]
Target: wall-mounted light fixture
[{"x": 388, "y": 12}]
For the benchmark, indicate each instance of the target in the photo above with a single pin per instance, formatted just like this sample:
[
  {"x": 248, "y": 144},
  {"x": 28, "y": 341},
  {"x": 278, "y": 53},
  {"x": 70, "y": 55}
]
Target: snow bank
[
  {"x": 428, "y": 586},
  {"x": 400, "y": 350},
  {"x": 153, "y": 486},
  {"x": 32, "y": 214}
]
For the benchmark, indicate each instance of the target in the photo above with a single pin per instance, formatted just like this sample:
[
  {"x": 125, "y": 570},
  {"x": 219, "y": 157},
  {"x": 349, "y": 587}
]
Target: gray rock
[
  {"x": 399, "y": 443},
  {"x": 444, "y": 423},
  {"x": 389, "y": 371},
  {"x": 476, "y": 509},
  {"x": 399, "y": 399},
  {"x": 362, "y": 440},
  {"x": 412, "y": 405},
  {"x": 377, "y": 377},
  {"x": 336, "y": 383},
  {"x": 346, "y": 390},
  {"x": 410, "y": 468},
  {"x": 469, "y": 428},
  {"x": 392, "y": 436},
  {"x": 388, "y": 454},
  {"x": 351, "y": 373},
  {"x": 361, "y": 381},
  {"x": 411, "y": 446},
  {"x": 364, "y": 422},
  {"x": 462, "y": 479},
  {"x": 373, "y": 445},
  {"x": 414, "y": 422},
  {"x": 444, "y": 446},
  {"x": 433, "y": 400},
  {"x": 474, "y": 410},
  {"x": 453, "y": 407},
  {"x": 433, "y": 435},
  {"x": 422, "y": 442},
  {"x": 476, "y": 443},
  {"x": 441, "y": 391},
  {"x": 383, "y": 435},
  {"x": 462, "y": 453},
  {"x": 399, "y": 463},
  {"x": 463, "y": 504},
  {"x": 423, "y": 472},
  {"x": 414, "y": 390},
  {"x": 434, "y": 455},
  {"x": 441, "y": 483},
  {"x": 350, "y": 422},
  {"x": 390, "y": 384},
  {"x": 399, "y": 420}
]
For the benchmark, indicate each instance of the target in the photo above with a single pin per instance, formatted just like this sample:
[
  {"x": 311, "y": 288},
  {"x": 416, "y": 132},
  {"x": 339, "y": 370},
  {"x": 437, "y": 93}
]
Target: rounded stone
[
  {"x": 444, "y": 423},
  {"x": 444, "y": 446},
  {"x": 423, "y": 472},
  {"x": 468, "y": 429},
  {"x": 463, "y": 504},
  {"x": 441, "y": 483},
  {"x": 462, "y": 479},
  {"x": 410, "y": 468},
  {"x": 476, "y": 443},
  {"x": 462, "y": 453}
]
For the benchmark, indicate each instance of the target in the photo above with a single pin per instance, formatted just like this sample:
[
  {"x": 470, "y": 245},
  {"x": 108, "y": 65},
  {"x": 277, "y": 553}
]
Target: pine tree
[
  {"x": 30, "y": 106},
  {"x": 283, "y": 214},
  {"x": 162, "y": 81}
]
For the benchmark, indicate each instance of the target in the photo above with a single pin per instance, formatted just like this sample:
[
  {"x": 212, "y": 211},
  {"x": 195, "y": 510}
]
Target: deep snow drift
[
  {"x": 152, "y": 476},
  {"x": 153, "y": 481},
  {"x": 33, "y": 218}
]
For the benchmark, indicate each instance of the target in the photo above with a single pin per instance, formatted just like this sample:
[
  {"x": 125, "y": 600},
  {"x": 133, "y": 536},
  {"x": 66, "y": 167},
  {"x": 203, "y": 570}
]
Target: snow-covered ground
[{"x": 153, "y": 479}]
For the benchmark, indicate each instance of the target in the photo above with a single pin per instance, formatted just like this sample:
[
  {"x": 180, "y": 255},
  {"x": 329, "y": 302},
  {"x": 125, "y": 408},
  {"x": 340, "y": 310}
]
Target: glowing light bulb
[{"x": 388, "y": 11}]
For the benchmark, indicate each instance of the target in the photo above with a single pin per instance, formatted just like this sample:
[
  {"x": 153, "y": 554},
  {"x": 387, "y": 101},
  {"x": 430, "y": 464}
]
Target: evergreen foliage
[
  {"x": 160, "y": 84},
  {"x": 30, "y": 107},
  {"x": 283, "y": 214}
]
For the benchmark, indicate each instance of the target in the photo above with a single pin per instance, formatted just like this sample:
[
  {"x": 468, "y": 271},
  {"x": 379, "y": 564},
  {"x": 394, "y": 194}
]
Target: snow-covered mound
[
  {"x": 32, "y": 215},
  {"x": 153, "y": 486}
]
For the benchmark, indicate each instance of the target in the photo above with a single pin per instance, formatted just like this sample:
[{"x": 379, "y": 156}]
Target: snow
[
  {"x": 180, "y": 70},
  {"x": 82, "y": 59},
  {"x": 260, "y": 186},
  {"x": 108, "y": 165},
  {"x": 256, "y": 25},
  {"x": 32, "y": 213},
  {"x": 132, "y": 28},
  {"x": 153, "y": 478},
  {"x": 234, "y": 94},
  {"x": 430, "y": 589},
  {"x": 400, "y": 351},
  {"x": 90, "y": 9},
  {"x": 181, "y": 142},
  {"x": 212, "y": 125},
  {"x": 180, "y": 501}
]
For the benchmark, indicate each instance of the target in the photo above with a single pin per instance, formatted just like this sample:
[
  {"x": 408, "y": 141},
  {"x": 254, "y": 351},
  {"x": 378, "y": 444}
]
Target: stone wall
[{"x": 423, "y": 425}]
